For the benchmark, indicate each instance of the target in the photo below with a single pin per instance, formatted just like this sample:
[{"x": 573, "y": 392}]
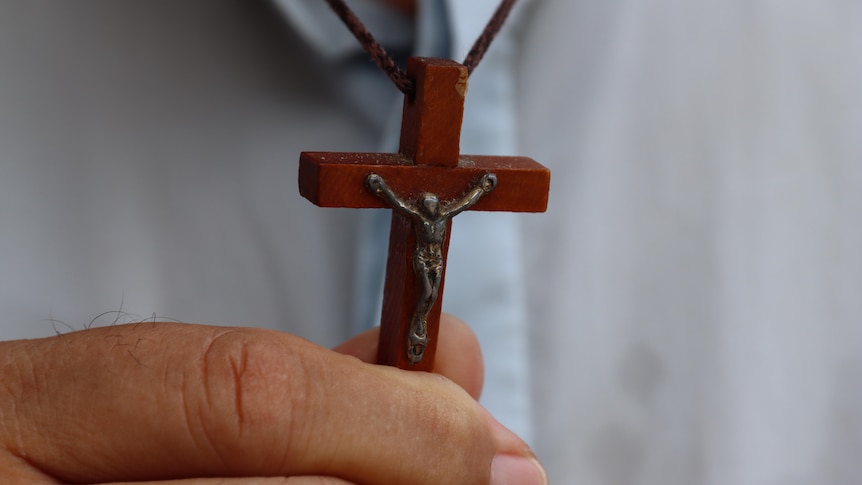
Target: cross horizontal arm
[{"x": 338, "y": 180}]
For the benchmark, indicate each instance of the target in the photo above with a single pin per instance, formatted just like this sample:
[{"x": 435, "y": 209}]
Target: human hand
[{"x": 166, "y": 401}]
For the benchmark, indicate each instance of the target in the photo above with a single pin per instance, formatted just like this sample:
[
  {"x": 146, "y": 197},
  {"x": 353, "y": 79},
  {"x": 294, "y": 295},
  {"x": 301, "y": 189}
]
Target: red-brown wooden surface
[
  {"x": 338, "y": 180},
  {"x": 428, "y": 161}
]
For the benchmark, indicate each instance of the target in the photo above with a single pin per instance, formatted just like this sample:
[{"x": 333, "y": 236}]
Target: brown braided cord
[
  {"x": 388, "y": 65},
  {"x": 382, "y": 58},
  {"x": 484, "y": 41}
]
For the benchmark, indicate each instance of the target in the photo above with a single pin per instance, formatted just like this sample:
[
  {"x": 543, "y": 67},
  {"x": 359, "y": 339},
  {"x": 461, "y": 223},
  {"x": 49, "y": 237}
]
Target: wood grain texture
[
  {"x": 338, "y": 180},
  {"x": 431, "y": 120},
  {"x": 400, "y": 295},
  {"x": 428, "y": 162}
]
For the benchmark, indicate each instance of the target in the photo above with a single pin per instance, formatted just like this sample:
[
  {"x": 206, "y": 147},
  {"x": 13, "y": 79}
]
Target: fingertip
[
  {"x": 515, "y": 461},
  {"x": 362, "y": 346},
  {"x": 459, "y": 356}
]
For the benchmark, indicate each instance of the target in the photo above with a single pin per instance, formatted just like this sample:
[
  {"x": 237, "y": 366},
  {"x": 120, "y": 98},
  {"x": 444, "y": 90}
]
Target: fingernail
[{"x": 517, "y": 470}]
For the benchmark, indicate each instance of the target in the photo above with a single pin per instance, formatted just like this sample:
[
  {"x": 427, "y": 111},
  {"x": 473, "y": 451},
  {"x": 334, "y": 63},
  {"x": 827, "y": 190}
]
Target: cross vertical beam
[
  {"x": 428, "y": 163},
  {"x": 431, "y": 136}
]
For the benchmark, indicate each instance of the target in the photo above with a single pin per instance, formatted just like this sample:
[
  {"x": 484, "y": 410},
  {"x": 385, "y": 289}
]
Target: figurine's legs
[
  {"x": 417, "y": 339},
  {"x": 429, "y": 276}
]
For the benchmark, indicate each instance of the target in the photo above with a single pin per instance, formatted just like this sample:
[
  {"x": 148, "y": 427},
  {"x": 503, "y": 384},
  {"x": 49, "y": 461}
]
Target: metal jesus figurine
[
  {"x": 425, "y": 184},
  {"x": 429, "y": 226}
]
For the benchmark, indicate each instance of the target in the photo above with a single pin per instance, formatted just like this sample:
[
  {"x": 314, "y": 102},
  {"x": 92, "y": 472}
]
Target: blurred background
[
  {"x": 693, "y": 294},
  {"x": 697, "y": 292}
]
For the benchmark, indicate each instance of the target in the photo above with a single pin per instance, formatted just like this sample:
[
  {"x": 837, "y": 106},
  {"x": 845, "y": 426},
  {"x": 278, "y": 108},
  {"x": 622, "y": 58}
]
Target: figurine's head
[{"x": 430, "y": 202}]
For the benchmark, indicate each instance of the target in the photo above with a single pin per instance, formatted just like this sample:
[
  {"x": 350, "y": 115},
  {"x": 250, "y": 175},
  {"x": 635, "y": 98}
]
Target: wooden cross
[{"x": 428, "y": 163}]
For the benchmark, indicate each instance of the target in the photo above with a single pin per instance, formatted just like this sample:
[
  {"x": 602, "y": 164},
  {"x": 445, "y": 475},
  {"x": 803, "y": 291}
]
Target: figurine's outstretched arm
[
  {"x": 486, "y": 184},
  {"x": 377, "y": 186}
]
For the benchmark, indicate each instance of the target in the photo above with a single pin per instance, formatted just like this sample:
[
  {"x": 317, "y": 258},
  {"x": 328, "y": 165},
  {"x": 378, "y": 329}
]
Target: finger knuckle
[{"x": 242, "y": 380}]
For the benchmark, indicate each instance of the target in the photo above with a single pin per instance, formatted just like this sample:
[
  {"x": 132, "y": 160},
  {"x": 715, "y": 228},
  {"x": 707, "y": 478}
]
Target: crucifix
[{"x": 425, "y": 184}]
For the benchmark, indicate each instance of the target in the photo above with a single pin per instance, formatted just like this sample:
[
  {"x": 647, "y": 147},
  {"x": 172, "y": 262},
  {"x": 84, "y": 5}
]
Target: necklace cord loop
[
  {"x": 388, "y": 65},
  {"x": 484, "y": 41},
  {"x": 382, "y": 58}
]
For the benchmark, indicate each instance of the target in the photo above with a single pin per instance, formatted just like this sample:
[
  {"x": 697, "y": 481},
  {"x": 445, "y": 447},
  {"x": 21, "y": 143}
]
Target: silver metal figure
[{"x": 429, "y": 223}]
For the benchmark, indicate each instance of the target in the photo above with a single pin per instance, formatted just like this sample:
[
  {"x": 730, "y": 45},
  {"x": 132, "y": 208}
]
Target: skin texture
[{"x": 168, "y": 401}]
